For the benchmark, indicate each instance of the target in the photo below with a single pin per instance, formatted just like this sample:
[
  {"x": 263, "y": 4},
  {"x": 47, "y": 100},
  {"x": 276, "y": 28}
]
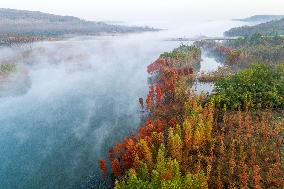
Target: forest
[
  {"x": 231, "y": 138},
  {"x": 261, "y": 18},
  {"x": 270, "y": 28}
]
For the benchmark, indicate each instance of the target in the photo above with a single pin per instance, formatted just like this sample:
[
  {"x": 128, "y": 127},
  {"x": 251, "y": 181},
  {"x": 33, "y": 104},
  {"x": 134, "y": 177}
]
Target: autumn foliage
[
  {"x": 103, "y": 167},
  {"x": 186, "y": 142}
]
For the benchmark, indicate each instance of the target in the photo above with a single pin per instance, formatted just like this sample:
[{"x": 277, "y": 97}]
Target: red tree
[
  {"x": 159, "y": 93},
  {"x": 116, "y": 169},
  {"x": 103, "y": 167}
]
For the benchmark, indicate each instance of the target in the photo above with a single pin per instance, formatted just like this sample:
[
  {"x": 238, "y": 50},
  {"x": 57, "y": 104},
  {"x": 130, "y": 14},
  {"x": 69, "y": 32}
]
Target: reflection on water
[{"x": 208, "y": 64}]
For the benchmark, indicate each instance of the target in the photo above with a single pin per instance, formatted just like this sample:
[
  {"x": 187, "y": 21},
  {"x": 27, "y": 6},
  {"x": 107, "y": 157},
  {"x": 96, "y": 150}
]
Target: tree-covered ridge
[
  {"x": 261, "y": 18},
  {"x": 269, "y": 28},
  {"x": 190, "y": 141},
  {"x": 247, "y": 50},
  {"x": 37, "y": 24}
]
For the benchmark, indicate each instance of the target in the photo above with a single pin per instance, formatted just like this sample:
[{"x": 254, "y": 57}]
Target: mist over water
[{"x": 82, "y": 97}]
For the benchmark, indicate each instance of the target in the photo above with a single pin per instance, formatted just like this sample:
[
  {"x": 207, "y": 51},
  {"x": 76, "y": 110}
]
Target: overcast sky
[{"x": 131, "y": 10}]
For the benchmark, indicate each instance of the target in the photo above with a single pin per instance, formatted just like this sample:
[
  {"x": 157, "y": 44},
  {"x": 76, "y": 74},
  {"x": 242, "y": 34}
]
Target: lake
[{"x": 81, "y": 98}]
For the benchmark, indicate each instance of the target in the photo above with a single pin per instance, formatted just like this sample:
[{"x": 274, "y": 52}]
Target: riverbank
[{"x": 182, "y": 143}]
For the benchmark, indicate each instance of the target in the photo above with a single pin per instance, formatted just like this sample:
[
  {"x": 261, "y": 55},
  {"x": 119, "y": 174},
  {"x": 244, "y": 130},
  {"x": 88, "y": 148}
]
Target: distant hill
[
  {"x": 261, "y": 18},
  {"x": 268, "y": 28},
  {"x": 34, "y": 23}
]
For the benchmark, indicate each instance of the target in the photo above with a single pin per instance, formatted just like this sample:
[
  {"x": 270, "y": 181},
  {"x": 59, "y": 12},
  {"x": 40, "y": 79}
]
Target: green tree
[{"x": 260, "y": 86}]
